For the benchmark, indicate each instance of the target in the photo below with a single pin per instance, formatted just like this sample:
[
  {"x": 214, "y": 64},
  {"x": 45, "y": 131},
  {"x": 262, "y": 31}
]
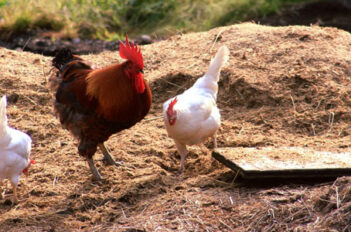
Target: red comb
[
  {"x": 131, "y": 53},
  {"x": 170, "y": 107}
]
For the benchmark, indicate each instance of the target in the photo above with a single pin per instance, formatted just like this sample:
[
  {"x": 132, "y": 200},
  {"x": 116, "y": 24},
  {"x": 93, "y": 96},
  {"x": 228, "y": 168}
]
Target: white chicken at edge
[
  {"x": 191, "y": 117},
  {"x": 15, "y": 147}
]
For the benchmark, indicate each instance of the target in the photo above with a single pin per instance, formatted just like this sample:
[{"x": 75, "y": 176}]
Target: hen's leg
[
  {"x": 215, "y": 141},
  {"x": 14, "y": 189},
  {"x": 107, "y": 157},
  {"x": 182, "y": 152},
  {"x": 94, "y": 171},
  {"x": 2, "y": 192}
]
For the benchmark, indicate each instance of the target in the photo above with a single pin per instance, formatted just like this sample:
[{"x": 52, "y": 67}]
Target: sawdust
[{"x": 281, "y": 88}]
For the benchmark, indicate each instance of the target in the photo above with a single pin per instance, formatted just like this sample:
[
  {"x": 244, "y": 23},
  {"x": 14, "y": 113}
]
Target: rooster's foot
[
  {"x": 107, "y": 157},
  {"x": 94, "y": 171}
]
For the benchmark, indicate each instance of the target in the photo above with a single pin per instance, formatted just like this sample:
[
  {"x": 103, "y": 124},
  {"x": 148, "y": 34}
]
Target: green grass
[{"x": 110, "y": 19}]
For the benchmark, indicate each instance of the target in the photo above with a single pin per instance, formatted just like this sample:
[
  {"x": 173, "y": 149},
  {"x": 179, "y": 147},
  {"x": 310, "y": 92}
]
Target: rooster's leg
[
  {"x": 107, "y": 157},
  {"x": 94, "y": 171},
  {"x": 182, "y": 152}
]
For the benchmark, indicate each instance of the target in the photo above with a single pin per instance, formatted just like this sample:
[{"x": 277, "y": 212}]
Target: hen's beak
[{"x": 26, "y": 172}]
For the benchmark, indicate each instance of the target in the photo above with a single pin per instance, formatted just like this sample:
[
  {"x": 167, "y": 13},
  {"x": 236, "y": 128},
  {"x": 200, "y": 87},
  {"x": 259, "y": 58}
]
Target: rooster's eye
[{"x": 142, "y": 71}]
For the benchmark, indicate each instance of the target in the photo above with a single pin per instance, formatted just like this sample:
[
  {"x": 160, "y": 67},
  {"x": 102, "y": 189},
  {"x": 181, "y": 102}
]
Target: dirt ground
[{"x": 280, "y": 89}]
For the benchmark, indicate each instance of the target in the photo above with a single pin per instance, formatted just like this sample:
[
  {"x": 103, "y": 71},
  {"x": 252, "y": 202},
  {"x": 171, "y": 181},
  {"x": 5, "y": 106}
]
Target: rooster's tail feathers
[
  {"x": 3, "y": 116},
  {"x": 62, "y": 57},
  {"x": 217, "y": 62}
]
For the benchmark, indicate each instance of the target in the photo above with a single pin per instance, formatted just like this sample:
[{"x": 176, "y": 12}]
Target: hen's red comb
[
  {"x": 131, "y": 53},
  {"x": 170, "y": 106}
]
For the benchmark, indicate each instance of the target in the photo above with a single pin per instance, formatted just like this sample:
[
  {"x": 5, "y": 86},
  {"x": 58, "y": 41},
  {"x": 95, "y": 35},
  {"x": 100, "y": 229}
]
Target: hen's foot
[
  {"x": 180, "y": 171},
  {"x": 15, "y": 199}
]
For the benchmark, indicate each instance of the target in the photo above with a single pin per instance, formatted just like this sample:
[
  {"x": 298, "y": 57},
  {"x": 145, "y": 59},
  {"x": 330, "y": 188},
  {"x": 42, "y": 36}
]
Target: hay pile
[{"x": 284, "y": 86}]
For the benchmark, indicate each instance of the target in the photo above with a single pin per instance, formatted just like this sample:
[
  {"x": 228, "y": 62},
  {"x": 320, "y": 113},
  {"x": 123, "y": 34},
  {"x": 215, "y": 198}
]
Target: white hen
[
  {"x": 191, "y": 117},
  {"x": 15, "y": 149}
]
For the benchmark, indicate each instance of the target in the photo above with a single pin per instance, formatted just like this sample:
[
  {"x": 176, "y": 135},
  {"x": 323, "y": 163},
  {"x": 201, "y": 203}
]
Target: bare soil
[{"x": 280, "y": 88}]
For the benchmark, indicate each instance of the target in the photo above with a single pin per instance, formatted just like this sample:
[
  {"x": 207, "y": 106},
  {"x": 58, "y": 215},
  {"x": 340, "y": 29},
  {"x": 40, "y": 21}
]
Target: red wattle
[{"x": 139, "y": 83}]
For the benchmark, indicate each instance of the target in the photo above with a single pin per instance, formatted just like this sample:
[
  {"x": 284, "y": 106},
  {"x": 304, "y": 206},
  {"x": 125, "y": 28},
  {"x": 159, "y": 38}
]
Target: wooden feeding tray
[{"x": 284, "y": 162}]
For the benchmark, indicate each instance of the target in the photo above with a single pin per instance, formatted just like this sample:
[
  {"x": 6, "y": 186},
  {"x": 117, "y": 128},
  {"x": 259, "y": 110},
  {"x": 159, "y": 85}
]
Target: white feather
[
  {"x": 197, "y": 114},
  {"x": 15, "y": 147}
]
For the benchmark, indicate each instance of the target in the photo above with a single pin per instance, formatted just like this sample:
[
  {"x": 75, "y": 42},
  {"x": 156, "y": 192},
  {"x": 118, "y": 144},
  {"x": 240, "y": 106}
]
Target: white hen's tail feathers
[
  {"x": 217, "y": 62},
  {"x": 3, "y": 116}
]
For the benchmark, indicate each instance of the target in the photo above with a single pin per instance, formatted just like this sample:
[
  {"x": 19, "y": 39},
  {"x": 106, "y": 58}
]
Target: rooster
[
  {"x": 15, "y": 147},
  {"x": 94, "y": 104},
  {"x": 191, "y": 117}
]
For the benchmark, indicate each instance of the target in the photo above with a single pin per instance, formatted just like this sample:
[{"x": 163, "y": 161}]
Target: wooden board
[{"x": 284, "y": 162}]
